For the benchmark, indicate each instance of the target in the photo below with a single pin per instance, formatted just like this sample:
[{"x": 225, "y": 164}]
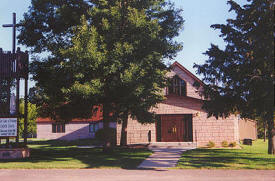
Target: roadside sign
[{"x": 8, "y": 127}]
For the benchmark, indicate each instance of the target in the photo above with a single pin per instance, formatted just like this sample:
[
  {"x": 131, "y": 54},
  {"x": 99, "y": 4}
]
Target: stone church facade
[{"x": 180, "y": 119}]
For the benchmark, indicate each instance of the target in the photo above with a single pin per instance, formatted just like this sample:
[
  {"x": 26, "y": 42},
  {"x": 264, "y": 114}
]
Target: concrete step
[{"x": 175, "y": 145}]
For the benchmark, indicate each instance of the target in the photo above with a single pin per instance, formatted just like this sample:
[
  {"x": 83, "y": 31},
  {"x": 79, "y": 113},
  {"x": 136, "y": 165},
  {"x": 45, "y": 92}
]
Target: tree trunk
[
  {"x": 123, "y": 137},
  {"x": 8, "y": 105},
  {"x": 107, "y": 146},
  {"x": 273, "y": 141},
  {"x": 26, "y": 113},
  {"x": 271, "y": 136},
  {"x": 264, "y": 131},
  {"x": 7, "y": 141},
  {"x": 17, "y": 106}
]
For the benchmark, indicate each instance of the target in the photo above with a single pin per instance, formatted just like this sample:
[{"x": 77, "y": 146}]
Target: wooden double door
[{"x": 176, "y": 128}]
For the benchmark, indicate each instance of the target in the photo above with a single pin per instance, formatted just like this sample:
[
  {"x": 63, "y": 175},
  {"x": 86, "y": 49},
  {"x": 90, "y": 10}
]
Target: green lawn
[
  {"x": 250, "y": 157},
  {"x": 61, "y": 154}
]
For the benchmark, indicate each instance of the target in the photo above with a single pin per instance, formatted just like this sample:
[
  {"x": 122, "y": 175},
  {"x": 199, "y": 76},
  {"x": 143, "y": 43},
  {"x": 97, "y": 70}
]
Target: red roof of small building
[{"x": 97, "y": 116}]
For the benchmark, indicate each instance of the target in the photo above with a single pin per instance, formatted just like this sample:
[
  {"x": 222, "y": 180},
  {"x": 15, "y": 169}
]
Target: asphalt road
[{"x": 135, "y": 175}]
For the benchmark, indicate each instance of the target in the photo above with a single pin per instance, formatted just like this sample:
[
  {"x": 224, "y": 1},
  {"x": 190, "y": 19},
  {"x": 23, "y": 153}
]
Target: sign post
[{"x": 13, "y": 66}]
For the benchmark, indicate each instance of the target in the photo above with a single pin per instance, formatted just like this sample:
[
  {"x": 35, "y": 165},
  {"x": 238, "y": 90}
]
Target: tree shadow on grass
[
  {"x": 56, "y": 152},
  {"x": 211, "y": 158},
  {"x": 58, "y": 143}
]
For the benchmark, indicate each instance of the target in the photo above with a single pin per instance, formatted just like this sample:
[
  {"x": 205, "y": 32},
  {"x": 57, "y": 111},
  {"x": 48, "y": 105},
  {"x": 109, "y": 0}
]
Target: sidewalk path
[
  {"x": 135, "y": 175},
  {"x": 163, "y": 158}
]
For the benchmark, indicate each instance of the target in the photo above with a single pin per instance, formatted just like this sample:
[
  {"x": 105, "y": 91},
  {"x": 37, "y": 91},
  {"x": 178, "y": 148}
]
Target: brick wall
[
  {"x": 72, "y": 131},
  {"x": 137, "y": 133},
  {"x": 210, "y": 129},
  {"x": 204, "y": 129},
  {"x": 248, "y": 129}
]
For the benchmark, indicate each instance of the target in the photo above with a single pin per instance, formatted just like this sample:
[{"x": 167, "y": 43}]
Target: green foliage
[
  {"x": 240, "y": 78},
  {"x": 225, "y": 144},
  {"x": 233, "y": 144},
  {"x": 261, "y": 128},
  {"x": 106, "y": 134},
  {"x": 32, "y": 115},
  {"x": 211, "y": 144},
  {"x": 196, "y": 84},
  {"x": 48, "y": 24},
  {"x": 109, "y": 53}
]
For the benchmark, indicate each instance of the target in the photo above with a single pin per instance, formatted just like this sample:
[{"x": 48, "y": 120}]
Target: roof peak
[{"x": 176, "y": 63}]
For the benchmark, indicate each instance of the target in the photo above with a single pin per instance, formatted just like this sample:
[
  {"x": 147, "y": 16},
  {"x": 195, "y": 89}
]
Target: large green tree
[
  {"x": 112, "y": 56},
  {"x": 240, "y": 78}
]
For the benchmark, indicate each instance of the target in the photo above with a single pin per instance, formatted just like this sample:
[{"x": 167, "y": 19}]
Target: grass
[
  {"x": 249, "y": 157},
  {"x": 62, "y": 154}
]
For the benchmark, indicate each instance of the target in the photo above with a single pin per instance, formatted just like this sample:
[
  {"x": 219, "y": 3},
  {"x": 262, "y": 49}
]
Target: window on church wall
[
  {"x": 93, "y": 127},
  {"x": 177, "y": 86},
  {"x": 58, "y": 128}
]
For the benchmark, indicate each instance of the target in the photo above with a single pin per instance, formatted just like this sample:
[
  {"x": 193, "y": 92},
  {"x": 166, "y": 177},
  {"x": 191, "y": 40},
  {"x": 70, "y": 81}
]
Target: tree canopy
[
  {"x": 240, "y": 78},
  {"x": 108, "y": 53}
]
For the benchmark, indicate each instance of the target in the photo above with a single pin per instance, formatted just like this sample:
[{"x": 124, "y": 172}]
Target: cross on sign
[{"x": 13, "y": 25}]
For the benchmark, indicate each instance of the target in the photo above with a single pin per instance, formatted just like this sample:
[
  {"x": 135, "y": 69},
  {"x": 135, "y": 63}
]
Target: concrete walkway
[
  {"x": 163, "y": 157},
  {"x": 135, "y": 175}
]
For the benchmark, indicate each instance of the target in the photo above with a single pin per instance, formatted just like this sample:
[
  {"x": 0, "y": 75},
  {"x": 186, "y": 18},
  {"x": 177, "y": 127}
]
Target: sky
[{"x": 196, "y": 35}]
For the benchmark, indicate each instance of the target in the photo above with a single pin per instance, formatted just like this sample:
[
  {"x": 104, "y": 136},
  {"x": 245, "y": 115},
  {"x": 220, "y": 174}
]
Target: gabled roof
[{"x": 187, "y": 72}]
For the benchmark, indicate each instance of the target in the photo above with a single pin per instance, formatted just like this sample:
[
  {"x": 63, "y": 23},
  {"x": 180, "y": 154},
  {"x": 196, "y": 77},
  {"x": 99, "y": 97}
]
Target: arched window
[{"x": 177, "y": 86}]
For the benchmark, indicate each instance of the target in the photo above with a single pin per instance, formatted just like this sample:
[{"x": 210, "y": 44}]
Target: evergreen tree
[{"x": 240, "y": 77}]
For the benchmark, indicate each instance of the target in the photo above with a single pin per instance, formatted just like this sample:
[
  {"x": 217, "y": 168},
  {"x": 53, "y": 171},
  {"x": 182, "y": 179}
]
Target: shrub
[
  {"x": 109, "y": 135},
  {"x": 211, "y": 144},
  {"x": 233, "y": 144},
  {"x": 224, "y": 144}
]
